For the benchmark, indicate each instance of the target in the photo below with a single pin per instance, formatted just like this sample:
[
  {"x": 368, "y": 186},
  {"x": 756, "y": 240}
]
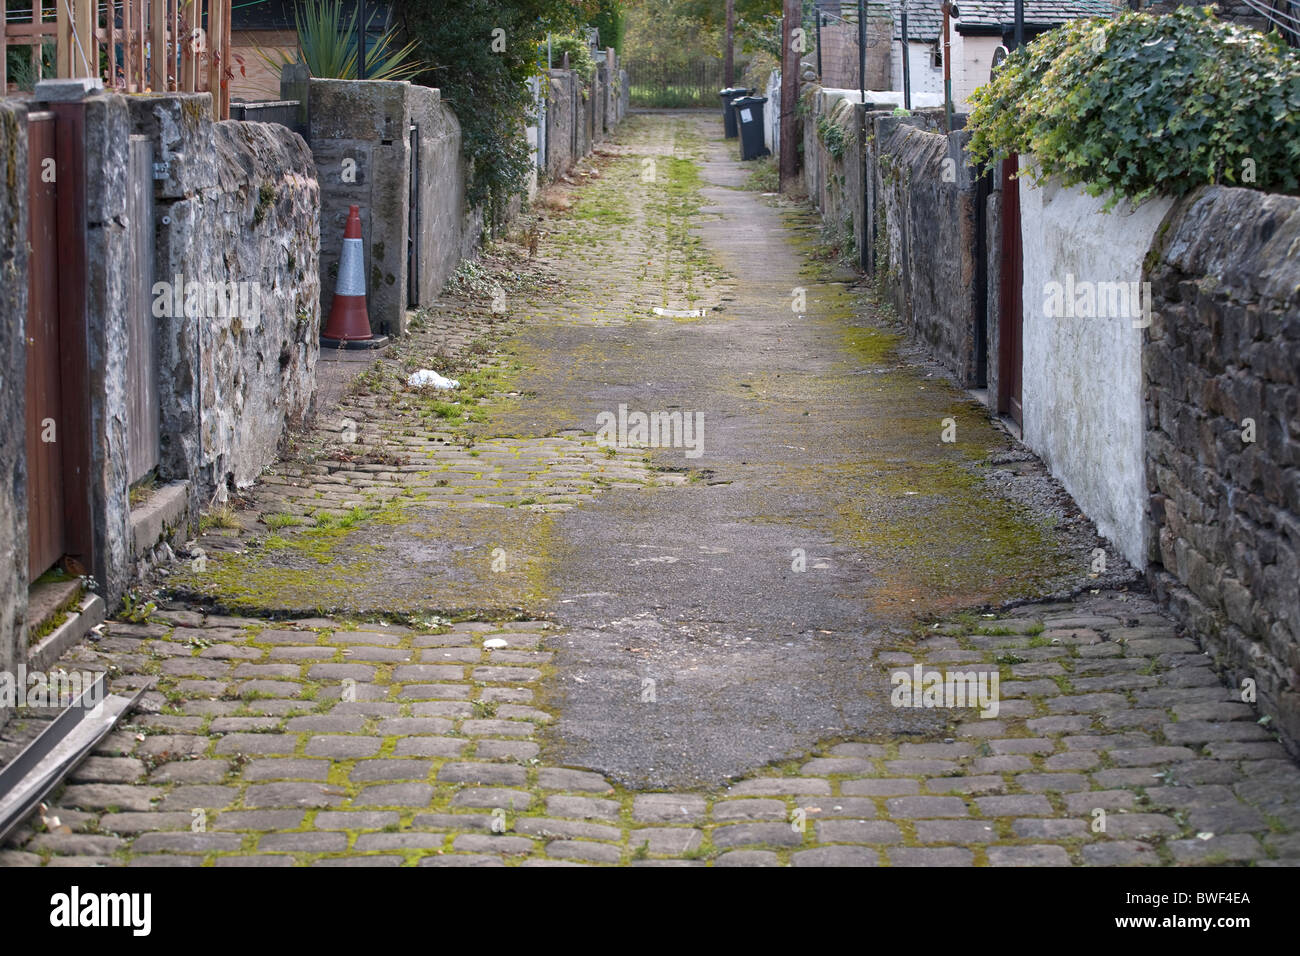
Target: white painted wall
[
  {"x": 972, "y": 58},
  {"x": 1082, "y": 384},
  {"x": 927, "y": 79},
  {"x": 772, "y": 113},
  {"x": 888, "y": 97}
]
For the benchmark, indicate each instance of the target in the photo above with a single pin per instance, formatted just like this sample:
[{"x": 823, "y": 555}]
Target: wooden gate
[
  {"x": 1011, "y": 317},
  {"x": 57, "y": 416},
  {"x": 45, "y": 498},
  {"x": 142, "y": 347}
]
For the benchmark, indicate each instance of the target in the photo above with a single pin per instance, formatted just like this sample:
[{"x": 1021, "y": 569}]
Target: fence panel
[{"x": 158, "y": 45}]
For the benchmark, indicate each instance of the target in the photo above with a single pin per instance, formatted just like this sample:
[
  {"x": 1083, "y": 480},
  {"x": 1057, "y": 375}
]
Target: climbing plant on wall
[{"x": 1147, "y": 104}]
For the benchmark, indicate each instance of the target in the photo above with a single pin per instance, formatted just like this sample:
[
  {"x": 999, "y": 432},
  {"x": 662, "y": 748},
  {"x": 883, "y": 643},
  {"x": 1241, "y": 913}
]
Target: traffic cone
[{"x": 349, "y": 324}]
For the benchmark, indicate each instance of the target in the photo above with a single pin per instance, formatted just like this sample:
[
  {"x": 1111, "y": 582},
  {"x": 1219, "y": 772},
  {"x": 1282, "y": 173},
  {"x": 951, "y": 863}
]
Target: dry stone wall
[{"x": 1222, "y": 379}]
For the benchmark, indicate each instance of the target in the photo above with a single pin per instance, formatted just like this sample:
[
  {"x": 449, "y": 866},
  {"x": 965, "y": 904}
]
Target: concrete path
[{"x": 660, "y": 656}]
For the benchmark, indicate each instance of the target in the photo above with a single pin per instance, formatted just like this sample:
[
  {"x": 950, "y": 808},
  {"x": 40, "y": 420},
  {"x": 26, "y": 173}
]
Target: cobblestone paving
[
  {"x": 343, "y": 741},
  {"x": 330, "y": 744}
]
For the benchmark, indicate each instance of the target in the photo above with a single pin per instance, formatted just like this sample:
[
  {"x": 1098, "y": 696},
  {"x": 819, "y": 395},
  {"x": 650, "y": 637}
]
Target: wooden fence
[{"x": 137, "y": 46}]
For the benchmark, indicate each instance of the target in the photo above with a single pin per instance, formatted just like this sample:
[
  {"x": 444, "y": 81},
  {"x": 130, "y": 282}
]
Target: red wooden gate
[
  {"x": 45, "y": 498},
  {"x": 58, "y": 370}
]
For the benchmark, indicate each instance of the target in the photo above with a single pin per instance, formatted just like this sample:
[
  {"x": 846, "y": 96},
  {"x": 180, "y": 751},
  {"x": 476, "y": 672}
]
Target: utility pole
[
  {"x": 950, "y": 12},
  {"x": 790, "y": 62},
  {"x": 728, "y": 55},
  {"x": 907, "y": 62},
  {"x": 862, "y": 51}
]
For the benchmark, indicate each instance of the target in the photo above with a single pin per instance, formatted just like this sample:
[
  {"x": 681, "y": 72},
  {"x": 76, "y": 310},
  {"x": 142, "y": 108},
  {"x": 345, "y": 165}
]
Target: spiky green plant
[{"x": 328, "y": 46}]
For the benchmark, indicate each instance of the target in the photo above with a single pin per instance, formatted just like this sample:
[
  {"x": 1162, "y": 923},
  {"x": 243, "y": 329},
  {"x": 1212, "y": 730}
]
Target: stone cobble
[{"x": 343, "y": 764}]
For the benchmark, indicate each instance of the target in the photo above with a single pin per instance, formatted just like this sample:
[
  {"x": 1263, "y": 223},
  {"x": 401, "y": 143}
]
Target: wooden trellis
[{"x": 137, "y": 46}]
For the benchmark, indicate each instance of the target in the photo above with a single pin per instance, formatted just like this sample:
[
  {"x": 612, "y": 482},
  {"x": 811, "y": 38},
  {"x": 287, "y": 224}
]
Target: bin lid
[{"x": 748, "y": 100}]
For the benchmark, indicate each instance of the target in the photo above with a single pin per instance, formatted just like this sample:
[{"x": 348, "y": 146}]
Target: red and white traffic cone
[{"x": 349, "y": 323}]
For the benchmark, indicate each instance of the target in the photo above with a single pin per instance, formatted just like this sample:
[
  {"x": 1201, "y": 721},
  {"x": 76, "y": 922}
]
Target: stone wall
[
  {"x": 108, "y": 231},
  {"x": 259, "y": 376},
  {"x": 562, "y": 115},
  {"x": 1224, "y": 512},
  {"x": 925, "y": 212},
  {"x": 449, "y": 230},
  {"x": 13, "y": 378},
  {"x": 581, "y": 112},
  {"x": 825, "y": 173},
  {"x": 1081, "y": 387},
  {"x": 359, "y": 139},
  {"x": 240, "y": 204},
  {"x": 905, "y": 195},
  {"x": 359, "y": 134},
  {"x": 586, "y": 116}
]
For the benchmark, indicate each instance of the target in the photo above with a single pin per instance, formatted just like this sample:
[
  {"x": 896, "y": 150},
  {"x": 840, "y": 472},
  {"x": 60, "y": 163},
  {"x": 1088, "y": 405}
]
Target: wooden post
[
  {"x": 137, "y": 44},
  {"x": 129, "y": 65},
  {"x": 142, "y": 73},
  {"x": 789, "y": 163},
  {"x": 227, "y": 66},
  {"x": 110, "y": 40},
  {"x": 158, "y": 45},
  {"x": 189, "y": 55},
  {"x": 62, "y": 41},
  {"x": 216, "y": 54},
  {"x": 81, "y": 48},
  {"x": 173, "y": 65}
]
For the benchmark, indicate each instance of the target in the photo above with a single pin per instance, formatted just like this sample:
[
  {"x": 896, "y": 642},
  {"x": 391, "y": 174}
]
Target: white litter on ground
[
  {"x": 493, "y": 643},
  {"x": 679, "y": 313},
  {"x": 426, "y": 377}
]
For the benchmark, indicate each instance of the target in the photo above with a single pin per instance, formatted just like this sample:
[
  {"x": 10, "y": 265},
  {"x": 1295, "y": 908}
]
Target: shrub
[
  {"x": 1144, "y": 104},
  {"x": 832, "y": 135},
  {"x": 580, "y": 60}
]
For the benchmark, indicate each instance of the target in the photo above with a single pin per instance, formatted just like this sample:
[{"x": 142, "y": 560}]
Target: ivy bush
[{"x": 1146, "y": 104}]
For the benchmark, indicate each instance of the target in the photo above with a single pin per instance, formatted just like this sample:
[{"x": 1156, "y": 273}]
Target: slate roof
[
  {"x": 925, "y": 17},
  {"x": 1037, "y": 12},
  {"x": 924, "y": 20}
]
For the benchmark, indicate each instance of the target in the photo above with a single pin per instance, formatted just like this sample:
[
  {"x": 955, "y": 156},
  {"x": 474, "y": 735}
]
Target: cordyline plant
[
  {"x": 328, "y": 45},
  {"x": 1143, "y": 104}
]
